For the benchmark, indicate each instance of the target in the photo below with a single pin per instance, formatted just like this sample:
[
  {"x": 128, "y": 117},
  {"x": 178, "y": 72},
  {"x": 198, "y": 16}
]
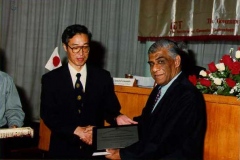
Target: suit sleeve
[
  {"x": 14, "y": 112},
  {"x": 111, "y": 103},
  {"x": 51, "y": 112}
]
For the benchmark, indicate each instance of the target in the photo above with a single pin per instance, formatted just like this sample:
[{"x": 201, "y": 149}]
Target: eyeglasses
[{"x": 76, "y": 49}]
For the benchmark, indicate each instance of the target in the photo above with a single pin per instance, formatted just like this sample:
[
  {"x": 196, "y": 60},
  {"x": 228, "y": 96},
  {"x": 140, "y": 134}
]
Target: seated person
[{"x": 11, "y": 113}]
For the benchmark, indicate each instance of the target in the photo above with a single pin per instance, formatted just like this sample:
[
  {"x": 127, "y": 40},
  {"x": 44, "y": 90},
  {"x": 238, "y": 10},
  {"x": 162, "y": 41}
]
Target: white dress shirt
[{"x": 83, "y": 77}]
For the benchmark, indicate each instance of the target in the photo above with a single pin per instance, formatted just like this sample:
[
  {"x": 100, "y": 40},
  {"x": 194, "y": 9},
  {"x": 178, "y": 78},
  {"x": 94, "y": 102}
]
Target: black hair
[{"x": 72, "y": 30}]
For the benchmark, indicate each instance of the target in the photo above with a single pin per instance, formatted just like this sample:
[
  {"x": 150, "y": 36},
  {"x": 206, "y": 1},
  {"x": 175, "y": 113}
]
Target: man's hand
[
  {"x": 85, "y": 134},
  {"x": 114, "y": 154},
  {"x": 14, "y": 126},
  {"x": 124, "y": 120}
]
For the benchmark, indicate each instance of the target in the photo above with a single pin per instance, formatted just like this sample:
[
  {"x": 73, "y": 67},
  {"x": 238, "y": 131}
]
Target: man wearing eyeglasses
[{"x": 69, "y": 117}]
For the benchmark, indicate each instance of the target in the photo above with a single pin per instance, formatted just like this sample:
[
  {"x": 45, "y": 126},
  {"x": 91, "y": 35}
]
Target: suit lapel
[
  {"x": 67, "y": 84},
  {"x": 150, "y": 102},
  {"x": 167, "y": 95}
]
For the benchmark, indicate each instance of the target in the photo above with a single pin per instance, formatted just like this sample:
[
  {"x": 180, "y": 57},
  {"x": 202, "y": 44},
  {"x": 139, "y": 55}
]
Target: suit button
[
  {"x": 79, "y": 97},
  {"x": 79, "y": 111},
  {"x": 80, "y": 147}
]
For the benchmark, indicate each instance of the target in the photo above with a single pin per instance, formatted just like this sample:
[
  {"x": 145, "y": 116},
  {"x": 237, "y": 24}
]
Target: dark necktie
[
  {"x": 157, "y": 97},
  {"x": 79, "y": 92}
]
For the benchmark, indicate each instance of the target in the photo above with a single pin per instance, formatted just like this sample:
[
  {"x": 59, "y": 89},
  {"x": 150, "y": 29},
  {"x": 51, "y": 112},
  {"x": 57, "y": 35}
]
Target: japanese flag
[{"x": 54, "y": 61}]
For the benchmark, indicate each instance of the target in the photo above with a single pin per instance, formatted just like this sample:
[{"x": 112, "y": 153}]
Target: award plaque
[{"x": 114, "y": 137}]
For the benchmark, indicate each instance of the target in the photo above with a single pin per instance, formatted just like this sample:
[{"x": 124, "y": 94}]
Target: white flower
[
  {"x": 231, "y": 91},
  {"x": 237, "y": 55},
  {"x": 203, "y": 73},
  {"x": 237, "y": 87},
  {"x": 210, "y": 75},
  {"x": 217, "y": 81},
  {"x": 220, "y": 66}
]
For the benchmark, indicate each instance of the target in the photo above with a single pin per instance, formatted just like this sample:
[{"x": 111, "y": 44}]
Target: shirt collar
[
  {"x": 74, "y": 71},
  {"x": 83, "y": 73},
  {"x": 165, "y": 87}
]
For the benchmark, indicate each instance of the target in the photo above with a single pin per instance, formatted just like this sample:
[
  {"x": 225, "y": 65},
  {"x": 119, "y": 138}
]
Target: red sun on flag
[{"x": 56, "y": 61}]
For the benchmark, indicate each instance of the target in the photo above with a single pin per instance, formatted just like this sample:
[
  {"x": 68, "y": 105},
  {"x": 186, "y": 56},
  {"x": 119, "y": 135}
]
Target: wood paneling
[
  {"x": 132, "y": 99},
  {"x": 44, "y": 136},
  {"x": 222, "y": 141}
]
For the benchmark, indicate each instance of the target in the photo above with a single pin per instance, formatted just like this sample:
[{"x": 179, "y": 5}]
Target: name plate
[
  {"x": 114, "y": 137},
  {"x": 123, "y": 81}
]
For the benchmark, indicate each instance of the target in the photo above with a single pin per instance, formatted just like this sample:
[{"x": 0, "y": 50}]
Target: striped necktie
[
  {"x": 157, "y": 97},
  {"x": 79, "y": 92}
]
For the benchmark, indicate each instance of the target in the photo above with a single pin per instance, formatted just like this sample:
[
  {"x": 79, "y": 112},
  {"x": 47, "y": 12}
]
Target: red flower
[
  {"x": 220, "y": 81},
  {"x": 235, "y": 67},
  {"x": 227, "y": 60},
  {"x": 231, "y": 83},
  {"x": 205, "y": 82},
  {"x": 212, "y": 67},
  {"x": 193, "y": 79}
]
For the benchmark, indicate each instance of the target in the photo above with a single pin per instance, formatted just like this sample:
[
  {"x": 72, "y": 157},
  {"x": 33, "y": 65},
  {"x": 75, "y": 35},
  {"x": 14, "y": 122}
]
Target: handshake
[{"x": 85, "y": 133}]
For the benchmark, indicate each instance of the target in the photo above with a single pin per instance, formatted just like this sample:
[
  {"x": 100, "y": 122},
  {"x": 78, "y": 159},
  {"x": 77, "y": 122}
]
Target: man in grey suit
[
  {"x": 173, "y": 126},
  {"x": 71, "y": 115}
]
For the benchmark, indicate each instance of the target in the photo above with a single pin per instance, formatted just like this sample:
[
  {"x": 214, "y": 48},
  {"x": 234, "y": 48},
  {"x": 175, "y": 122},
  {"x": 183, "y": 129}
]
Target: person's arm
[
  {"x": 112, "y": 105},
  {"x": 124, "y": 120},
  {"x": 51, "y": 109},
  {"x": 14, "y": 113}
]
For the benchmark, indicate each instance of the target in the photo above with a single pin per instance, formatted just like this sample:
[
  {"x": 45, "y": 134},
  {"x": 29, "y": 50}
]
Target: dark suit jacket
[
  {"x": 176, "y": 128},
  {"x": 61, "y": 115}
]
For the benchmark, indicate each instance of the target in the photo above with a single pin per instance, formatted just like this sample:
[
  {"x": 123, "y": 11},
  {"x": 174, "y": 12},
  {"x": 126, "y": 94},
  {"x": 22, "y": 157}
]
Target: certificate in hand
[{"x": 114, "y": 137}]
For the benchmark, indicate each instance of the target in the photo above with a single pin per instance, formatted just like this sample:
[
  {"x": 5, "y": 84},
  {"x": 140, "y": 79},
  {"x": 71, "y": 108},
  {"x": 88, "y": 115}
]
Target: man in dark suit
[
  {"x": 70, "y": 115},
  {"x": 173, "y": 126}
]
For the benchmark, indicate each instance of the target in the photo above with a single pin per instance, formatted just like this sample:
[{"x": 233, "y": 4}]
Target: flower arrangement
[{"x": 222, "y": 78}]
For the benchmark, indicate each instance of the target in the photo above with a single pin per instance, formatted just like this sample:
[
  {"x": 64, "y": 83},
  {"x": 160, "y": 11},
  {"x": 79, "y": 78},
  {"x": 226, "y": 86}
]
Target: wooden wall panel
[
  {"x": 222, "y": 141},
  {"x": 44, "y": 136},
  {"x": 132, "y": 99}
]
